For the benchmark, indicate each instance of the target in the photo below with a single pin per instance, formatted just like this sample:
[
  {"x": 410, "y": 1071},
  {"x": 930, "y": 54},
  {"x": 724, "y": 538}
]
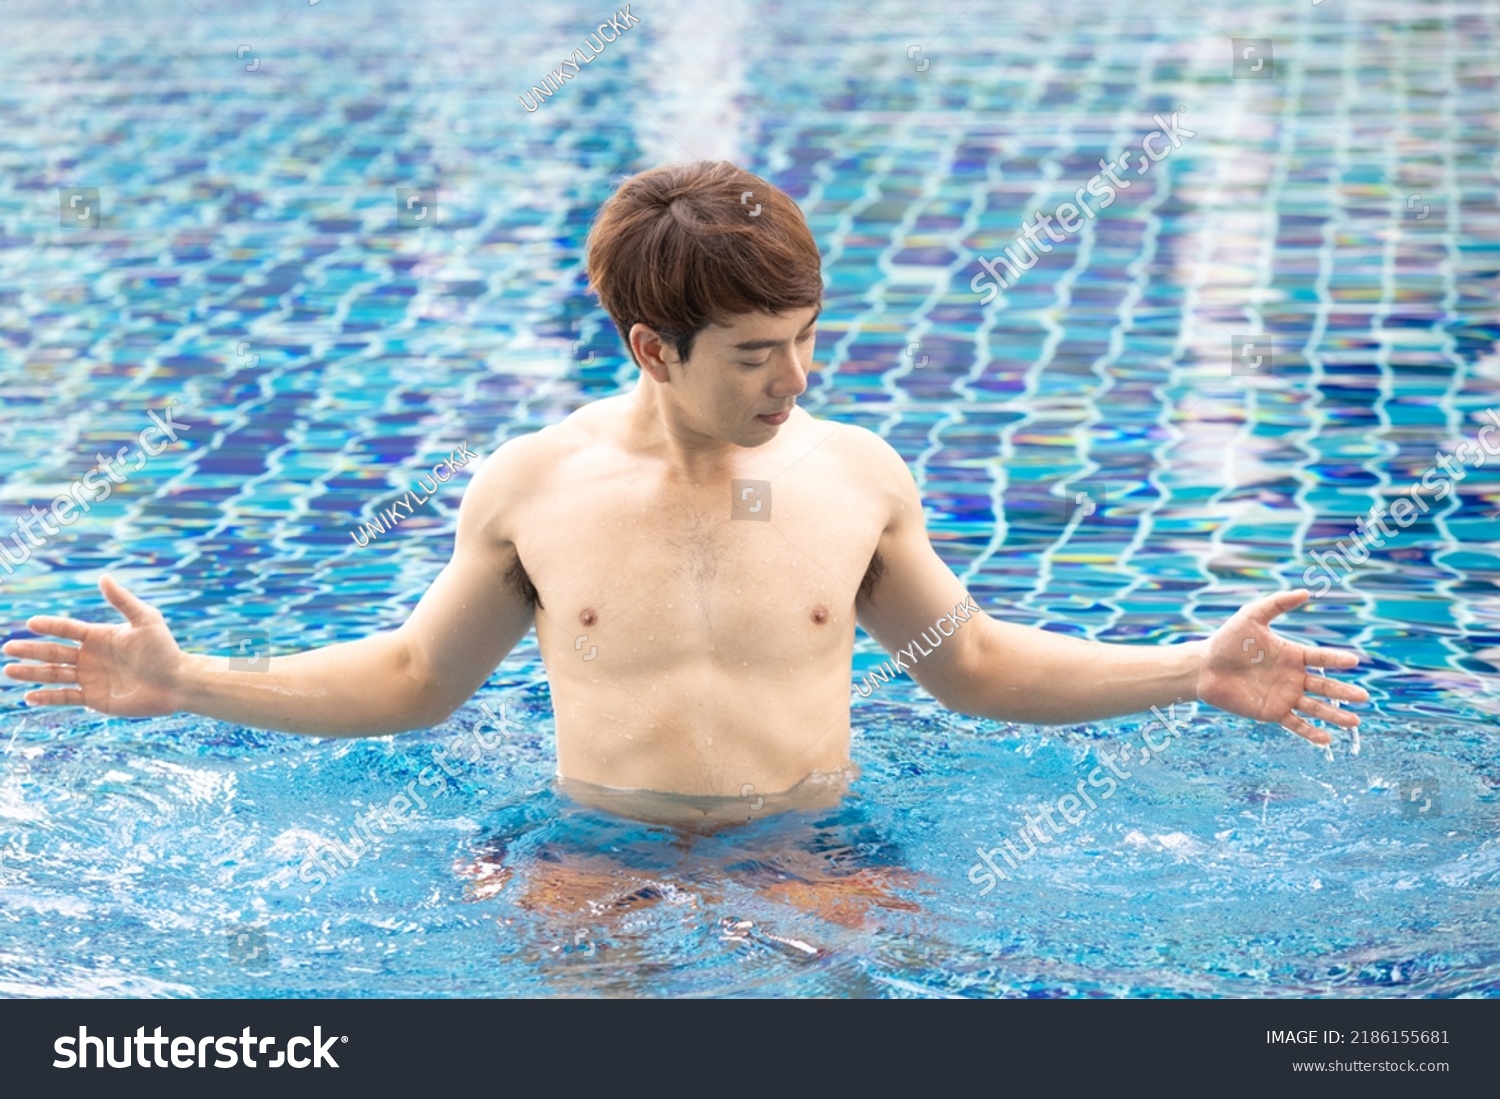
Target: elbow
[
  {"x": 421, "y": 701},
  {"x": 977, "y": 686},
  {"x": 959, "y": 694},
  {"x": 961, "y": 687},
  {"x": 970, "y": 706},
  {"x": 955, "y": 700}
]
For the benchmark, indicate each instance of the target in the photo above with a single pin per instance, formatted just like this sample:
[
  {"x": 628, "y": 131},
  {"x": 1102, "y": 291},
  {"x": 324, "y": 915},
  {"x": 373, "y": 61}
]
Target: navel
[{"x": 587, "y": 616}]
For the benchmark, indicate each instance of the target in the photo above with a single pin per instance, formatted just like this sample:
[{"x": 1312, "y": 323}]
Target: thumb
[
  {"x": 136, "y": 612},
  {"x": 1266, "y": 610}
]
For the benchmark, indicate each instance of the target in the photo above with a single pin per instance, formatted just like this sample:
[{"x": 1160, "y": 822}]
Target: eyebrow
[{"x": 761, "y": 345}]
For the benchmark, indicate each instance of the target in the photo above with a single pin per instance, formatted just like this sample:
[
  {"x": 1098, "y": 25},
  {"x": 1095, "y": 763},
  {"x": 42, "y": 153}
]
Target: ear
[{"x": 654, "y": 354}]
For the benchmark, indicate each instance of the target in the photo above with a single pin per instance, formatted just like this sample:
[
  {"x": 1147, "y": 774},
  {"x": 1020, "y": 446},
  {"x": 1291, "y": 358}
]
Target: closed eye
[{"x": 804, "y": 338}]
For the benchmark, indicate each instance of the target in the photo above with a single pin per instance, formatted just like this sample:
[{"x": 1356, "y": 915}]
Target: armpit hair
[
  {"x": 521, "y": 584},
  {"x": 872, "y": 577}
]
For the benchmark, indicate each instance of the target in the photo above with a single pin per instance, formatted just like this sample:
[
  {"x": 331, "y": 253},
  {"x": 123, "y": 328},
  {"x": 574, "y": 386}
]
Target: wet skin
[
  {"x": 694, "y": 573},
  {"x": 697, "y": 632}
]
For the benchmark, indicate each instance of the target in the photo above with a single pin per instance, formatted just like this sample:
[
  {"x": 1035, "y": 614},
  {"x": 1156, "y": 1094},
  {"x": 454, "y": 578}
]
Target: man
[{"x": 693, "y": 556}]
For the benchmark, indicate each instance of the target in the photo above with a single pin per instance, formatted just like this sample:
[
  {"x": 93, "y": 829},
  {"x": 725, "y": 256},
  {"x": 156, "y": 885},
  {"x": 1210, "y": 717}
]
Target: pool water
[{"x": 241, "y": 165}]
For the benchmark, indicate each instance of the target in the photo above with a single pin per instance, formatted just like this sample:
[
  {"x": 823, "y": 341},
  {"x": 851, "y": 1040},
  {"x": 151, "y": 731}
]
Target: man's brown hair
[{"x": 683, "y": 246}]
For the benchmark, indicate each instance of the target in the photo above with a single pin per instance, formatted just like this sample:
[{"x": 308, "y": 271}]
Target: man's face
[{"x": 755, "y": 367}]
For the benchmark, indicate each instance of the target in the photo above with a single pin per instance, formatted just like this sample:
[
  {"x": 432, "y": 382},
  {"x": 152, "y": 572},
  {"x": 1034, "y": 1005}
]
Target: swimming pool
[{"x": 208, "y": 209}]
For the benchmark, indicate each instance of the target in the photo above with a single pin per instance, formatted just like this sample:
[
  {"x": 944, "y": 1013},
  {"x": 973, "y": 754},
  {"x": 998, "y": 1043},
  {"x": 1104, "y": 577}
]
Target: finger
[
  {"x": 1265, "y": 610},
  {"x": 1324, "y": 712},
  {"x": 136, "y": 612},
  {"x": 1334, "y": 688},
  {"x": 60, "y": 696},
  {"x": 1329, "y": 658},
  {"x": 47, "y": 651},
  {"x": 42, "y": 673},
  {"x": 51, "y": 625},
  {"x": 1305, "y": 730}
]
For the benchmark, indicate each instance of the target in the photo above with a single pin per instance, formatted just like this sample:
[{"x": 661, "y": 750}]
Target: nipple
[
  {"x": 587, "y": 616},
  {"x": 820, "y": 614}
]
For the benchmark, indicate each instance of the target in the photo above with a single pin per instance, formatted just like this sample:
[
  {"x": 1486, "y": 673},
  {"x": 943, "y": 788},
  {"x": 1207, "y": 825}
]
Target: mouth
[{"x": 777, "y": 418}]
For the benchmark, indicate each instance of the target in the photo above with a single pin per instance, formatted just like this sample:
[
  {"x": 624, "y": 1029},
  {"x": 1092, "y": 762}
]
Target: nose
[{"x": 791, "y": 379}]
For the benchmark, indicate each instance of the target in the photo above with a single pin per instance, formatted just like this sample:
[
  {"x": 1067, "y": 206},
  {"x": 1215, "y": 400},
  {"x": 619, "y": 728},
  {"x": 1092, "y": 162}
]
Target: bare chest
[{"x": 741, "y": 569}]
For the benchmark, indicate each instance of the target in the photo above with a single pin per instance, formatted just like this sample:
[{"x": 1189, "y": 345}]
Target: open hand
[
  {"x": 1249, "y": 670},
  {"x": 129, "y": 670}
]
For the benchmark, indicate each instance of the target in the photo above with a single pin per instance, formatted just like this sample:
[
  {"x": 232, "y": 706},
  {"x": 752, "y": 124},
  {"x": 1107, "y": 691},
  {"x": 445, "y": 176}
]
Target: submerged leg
[
  {"x": 849, "y": 900},
  {"x": 562, "y": 882}
]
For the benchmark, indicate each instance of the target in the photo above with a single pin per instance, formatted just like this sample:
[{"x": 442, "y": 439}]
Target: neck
[{"x": 658, "y": 429}]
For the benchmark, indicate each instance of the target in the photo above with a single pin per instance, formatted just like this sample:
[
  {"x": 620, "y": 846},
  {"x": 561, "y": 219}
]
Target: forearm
[
  {"x": 357, "y": 688},
  {"x": 1029, "y": 675}
]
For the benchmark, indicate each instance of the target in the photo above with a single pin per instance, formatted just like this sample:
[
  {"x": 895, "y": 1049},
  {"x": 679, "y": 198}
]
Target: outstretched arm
[
  {"x": 1010, "y": 672},
  {"x": 391, "y": 682}
]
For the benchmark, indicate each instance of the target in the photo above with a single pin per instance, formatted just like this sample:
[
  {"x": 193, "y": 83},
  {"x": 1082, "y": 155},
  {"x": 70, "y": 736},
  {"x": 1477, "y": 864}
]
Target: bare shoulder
[
  {"x": 525, "y": 467},
  {"x": 873, "y": 465},
  {"x": 860, "y": 443}
]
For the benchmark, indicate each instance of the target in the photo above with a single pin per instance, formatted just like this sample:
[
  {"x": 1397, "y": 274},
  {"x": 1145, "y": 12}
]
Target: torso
[{"x": 689, "y": 651}]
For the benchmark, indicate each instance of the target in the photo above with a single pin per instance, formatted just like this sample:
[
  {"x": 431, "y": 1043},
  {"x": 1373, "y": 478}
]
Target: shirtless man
[{"x": 694, "y": 557}]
